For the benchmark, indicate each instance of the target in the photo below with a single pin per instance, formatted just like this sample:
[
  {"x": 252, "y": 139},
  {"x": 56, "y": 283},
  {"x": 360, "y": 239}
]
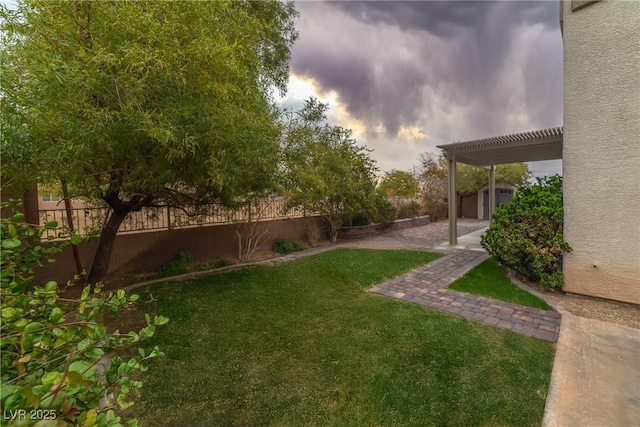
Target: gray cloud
[
  {"x": 458, "y": 70},
  {"x": 445, "y": 19}
]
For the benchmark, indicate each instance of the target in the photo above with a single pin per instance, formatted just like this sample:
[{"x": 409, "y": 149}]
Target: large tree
[
  {"x": 399, "y": 183},
  {"x": 144, "y": 103},
  {"x": 325, "y": 171},
  {"x": 470, "y": 179}
]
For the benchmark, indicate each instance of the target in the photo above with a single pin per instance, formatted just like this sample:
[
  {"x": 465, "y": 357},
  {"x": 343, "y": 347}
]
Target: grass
[
  {"x": 303, "y": 343},
  {"x": 490, "y": 279}
]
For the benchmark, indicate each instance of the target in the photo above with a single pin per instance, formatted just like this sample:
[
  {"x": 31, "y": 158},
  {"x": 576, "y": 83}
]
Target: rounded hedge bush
[
  {"x": 287, "y": 246},
  {"x": 526, "y": 234}
]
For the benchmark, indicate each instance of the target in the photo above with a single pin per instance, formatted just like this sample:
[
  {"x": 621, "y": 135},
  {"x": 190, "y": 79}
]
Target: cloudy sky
[{"x": 407, "y": 76}]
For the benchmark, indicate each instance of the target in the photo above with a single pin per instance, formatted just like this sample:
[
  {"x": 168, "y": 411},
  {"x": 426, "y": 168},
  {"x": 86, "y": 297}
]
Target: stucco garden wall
[
  {"x": 135, "y": 253},
  {"x": 601, "y": 157}
]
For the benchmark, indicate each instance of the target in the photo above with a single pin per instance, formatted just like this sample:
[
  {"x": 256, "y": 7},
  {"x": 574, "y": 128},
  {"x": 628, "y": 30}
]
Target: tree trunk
[
  {"x": 67, "y": 207},
  {"x": 102, "y": 256}
]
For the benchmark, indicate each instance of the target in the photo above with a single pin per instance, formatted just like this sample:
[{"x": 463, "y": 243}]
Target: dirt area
[{"x": 593, "y": 308}]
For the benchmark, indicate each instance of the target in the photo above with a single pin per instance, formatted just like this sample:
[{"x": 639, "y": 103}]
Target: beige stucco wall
[{"x": 601, "y": 158}]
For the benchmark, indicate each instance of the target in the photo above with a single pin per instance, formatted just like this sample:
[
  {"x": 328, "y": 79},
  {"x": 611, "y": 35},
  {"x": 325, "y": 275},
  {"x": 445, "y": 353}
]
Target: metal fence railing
[{"x": 90, "y": 220}]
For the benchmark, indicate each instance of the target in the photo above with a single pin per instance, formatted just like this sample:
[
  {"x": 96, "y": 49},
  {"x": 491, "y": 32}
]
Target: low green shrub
[
  {"x": 385, "y": 212},
  {"x": 359, "y": 220},
  {"x": 180, "y": 265},
  {"x": 222, "y": 262},
  {"x": 526, "y": 234},
  {"x": 549, "y": 281},
  {"x": 377, "y": 209},
  {"x": 287, "y": 246},
  {"x": 59, "y": 364},
  {"x": 409, "y": 210}
]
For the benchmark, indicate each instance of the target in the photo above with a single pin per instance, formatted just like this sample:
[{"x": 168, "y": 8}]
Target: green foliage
[
  {"x": 409, "y": 210},
  {"x": 526, "y": 234},
  {"x": 143, "y": 103},
  {"x": 470, "y": 179},
  {"x": 549, "y": 281},
  {"x": 180, "y": 265},
  {"x": 325, "y": 172},
  {"x": 384, "y": 212},
  {"x": 222, "y": 262},
  {"x": 358, "y": 220},
  {"x": 57, "y": 356},
  {"x": 287, "y": 246},
  {"x": 379, "y": 210},
  {"x": 399, "y": 183}
]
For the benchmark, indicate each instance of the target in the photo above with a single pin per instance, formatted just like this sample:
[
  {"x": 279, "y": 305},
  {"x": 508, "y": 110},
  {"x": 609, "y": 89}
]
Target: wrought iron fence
[{"x": 90, "y": 220}]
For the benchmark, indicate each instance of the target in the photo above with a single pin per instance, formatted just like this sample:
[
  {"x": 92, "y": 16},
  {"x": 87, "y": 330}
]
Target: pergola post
[
  {"x": 492, "y": 191},
  {"x": 453, "y": 215}
]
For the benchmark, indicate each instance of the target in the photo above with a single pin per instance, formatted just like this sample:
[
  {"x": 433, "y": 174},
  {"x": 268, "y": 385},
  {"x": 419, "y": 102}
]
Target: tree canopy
[
  {"x": 470, "y": 179},
  {"x": 399, "y": 183},
  {"x": 144, "y": 103},
  {"x": 325, "y": 171}
]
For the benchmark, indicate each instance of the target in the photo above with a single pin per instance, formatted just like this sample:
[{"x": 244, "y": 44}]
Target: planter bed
[{"x": 362, "y": 231}]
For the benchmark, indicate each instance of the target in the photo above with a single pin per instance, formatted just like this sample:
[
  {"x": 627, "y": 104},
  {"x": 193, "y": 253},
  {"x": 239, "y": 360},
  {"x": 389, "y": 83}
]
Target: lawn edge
[
  {"x": 267, "y": 262},
  {"x": 512, "y": 276}
]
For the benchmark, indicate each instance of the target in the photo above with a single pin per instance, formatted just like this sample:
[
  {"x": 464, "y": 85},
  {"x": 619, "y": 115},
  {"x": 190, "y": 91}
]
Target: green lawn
[
  {"x": 303, "y": 343},
  {"x": 489, "y": 279}
]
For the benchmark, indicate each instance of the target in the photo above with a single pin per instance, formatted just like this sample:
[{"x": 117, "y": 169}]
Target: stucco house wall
[{"x": 601, "y": 154}]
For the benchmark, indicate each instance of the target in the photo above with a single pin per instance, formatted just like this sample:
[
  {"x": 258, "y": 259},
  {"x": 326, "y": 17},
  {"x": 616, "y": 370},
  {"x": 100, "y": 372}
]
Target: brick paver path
[{"x": 427, "y": 285}]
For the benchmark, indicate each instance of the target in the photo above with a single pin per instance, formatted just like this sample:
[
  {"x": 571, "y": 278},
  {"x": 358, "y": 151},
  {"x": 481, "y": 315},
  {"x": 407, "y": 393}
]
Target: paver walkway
[{"x": 426, "y": 286}]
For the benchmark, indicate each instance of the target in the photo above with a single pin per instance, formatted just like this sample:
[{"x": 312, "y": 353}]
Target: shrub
[
  {"x": 409, "y": 210},
  {"x": 222, "y": 262},
  {"x": 359, "y": 220},
  {"x": 180, "y": 265},
  {"x": 549, "y": 281},
  {"x": 56, "y": 360},
  {"x": 287, "y": 246},
  {"x": 385, "y": 212},
  {"x": 526, "y": 234}
]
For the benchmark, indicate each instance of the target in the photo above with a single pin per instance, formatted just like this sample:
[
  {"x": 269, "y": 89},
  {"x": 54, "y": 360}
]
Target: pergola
[{"x": 545, "y": 144}]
